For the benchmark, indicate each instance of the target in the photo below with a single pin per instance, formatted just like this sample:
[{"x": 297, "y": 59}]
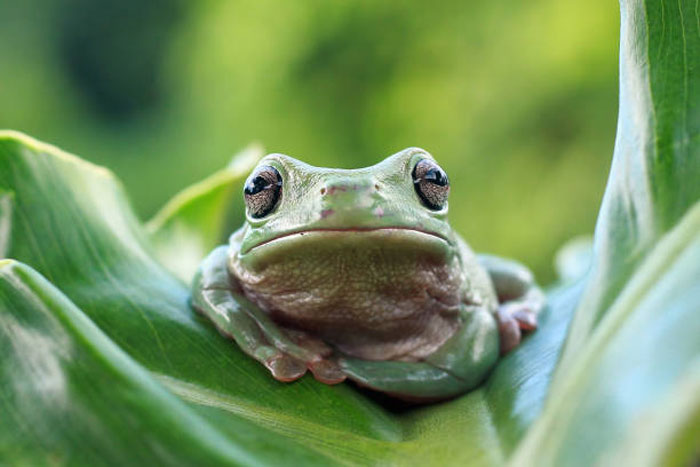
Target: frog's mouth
[{"x": 400, "y": 234}]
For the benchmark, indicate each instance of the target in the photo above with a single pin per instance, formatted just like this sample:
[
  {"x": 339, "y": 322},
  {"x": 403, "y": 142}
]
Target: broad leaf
[
  {"x": 72, "y": 396},
  {"x": 632, "y": 354},
  {"x": 103, "y": 361},
  {"x": 655, "y": 174},
  {"x": 185, "y": 229},
  {"x": 633, "y": 391},
  {"x": 69, "y": 222}
]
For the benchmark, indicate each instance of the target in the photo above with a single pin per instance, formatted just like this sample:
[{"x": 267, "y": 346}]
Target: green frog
[{"x": 357, "y": 274}]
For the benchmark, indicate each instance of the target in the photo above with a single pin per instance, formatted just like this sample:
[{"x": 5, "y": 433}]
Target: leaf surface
[
  {"x": 70, "y": 223},
  {"x": 103, "y": 361}
]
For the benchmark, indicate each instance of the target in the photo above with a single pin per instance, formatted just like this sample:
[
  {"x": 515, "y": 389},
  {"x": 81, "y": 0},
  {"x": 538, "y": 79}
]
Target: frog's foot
[
  {"x": 247, "y": 335},
  {"x": 514, "y": 318},
  {"x": 287, "y": 368},
  {"x": 324, "y": 367},
  {"x": 297, "y": 352},
  {"x": 286, "y": 353}
]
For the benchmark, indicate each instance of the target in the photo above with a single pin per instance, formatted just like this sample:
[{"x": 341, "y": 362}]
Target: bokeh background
[{"x": 516, "y": 99}]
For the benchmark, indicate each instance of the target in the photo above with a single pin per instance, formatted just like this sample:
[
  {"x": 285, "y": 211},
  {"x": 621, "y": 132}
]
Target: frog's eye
[
  {"x": 431, "y": 184},
  {"x": 262, "y": 191}
]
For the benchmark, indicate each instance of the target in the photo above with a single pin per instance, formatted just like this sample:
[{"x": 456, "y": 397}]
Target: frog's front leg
[
  {"x": 519, "y": 298},
  {"x": 459, "y": 365},
  {"x": 286, "y": 355}
]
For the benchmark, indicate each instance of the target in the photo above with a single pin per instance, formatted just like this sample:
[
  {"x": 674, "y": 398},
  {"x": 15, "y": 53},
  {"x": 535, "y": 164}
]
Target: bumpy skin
[{"x": 352, "y": 276}]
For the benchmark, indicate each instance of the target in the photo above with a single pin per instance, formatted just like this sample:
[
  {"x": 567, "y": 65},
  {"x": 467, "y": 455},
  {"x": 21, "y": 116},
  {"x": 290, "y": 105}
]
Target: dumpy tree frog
[{"x": 357, "y": 274}]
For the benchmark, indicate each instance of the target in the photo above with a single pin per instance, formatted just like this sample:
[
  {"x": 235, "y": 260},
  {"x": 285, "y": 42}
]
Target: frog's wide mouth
[{"x": 397, "y": 232}]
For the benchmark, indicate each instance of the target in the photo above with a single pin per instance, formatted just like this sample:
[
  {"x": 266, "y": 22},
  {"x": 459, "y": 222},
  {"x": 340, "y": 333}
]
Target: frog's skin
[{"x": 352, "y": 275}]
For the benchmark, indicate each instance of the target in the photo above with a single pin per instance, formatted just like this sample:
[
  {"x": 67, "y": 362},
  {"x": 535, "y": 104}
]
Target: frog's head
[{"x": 403, "y": 198}]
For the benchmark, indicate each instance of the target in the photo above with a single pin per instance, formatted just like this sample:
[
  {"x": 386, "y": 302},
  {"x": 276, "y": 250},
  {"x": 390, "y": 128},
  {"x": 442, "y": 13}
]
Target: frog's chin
[{"x": 407, "y": 237}]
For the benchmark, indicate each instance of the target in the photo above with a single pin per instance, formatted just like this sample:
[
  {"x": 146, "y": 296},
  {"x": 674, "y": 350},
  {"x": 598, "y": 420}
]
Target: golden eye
[
  {"x": 431, "y": 184},
  {"x": 262, "y": 191}
]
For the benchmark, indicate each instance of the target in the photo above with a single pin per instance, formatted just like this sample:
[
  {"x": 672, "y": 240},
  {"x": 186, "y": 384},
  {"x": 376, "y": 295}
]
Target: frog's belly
[{"x": 371, "y": 302}]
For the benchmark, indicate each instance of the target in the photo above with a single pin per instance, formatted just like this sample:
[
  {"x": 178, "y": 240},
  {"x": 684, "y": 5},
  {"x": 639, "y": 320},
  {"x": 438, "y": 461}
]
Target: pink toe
[
  {"x": 527, "y": 320},
  {"x": 327, "y": 371},
  {"x": 285, "y": 368},
  {"x": 509, "y": 331}
]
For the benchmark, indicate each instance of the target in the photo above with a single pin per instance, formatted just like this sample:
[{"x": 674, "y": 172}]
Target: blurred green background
[{"x": 517, "y": 100}]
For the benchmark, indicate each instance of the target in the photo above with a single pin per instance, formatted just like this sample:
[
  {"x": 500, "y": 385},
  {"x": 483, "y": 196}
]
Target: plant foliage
[{"x": 103, "y": 361}]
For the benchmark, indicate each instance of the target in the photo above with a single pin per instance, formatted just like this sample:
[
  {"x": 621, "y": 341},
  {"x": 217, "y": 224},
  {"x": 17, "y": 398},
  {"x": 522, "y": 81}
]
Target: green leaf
[
  {"x": 69, "y": 221},
  {"x": 192, "y": 223},
  {"x": 103, "y": 361},
  {"x": 656, "y": 166},
  {"x": 72, "y": 396},
  {"x": 632, "y": 354},
  {"x": 640, "y": 369}
]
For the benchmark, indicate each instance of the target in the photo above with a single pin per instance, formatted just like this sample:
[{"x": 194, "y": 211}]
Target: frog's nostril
[
  {"x": 331, "y": 190},
  {"x": 376, "y": 186}
]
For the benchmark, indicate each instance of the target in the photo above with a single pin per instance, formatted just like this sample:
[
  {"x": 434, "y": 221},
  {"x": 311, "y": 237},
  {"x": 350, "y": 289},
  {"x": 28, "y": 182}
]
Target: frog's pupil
[
  {"x": 436, "y": 176},
  {"x": 256, "y": 185},
  {"x": 431, "y": 184}
]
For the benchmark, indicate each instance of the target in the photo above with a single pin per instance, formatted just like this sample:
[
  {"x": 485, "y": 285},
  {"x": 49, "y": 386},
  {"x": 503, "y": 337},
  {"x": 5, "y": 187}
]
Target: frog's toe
[
  {"x": 523, "y": 312},
  {"x": 526, "y": 319},
  {"x": 327, "y": 371},
  {"x": 285, "y": 368},
  {"x": 514, "y": 318},
  {"x": 509, "y": 331}
]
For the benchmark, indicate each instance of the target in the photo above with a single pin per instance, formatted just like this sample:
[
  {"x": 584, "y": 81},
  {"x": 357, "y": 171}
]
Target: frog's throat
[{"x": 299, "y": 233}]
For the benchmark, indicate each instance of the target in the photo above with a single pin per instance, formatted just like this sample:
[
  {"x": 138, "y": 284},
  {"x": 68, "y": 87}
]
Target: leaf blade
[
  {"x": 192, "y": 223},
  {"x": 630, "y": 369},
  {"x": 656, "y": 164},
  {"x": 60, "y": 372}
]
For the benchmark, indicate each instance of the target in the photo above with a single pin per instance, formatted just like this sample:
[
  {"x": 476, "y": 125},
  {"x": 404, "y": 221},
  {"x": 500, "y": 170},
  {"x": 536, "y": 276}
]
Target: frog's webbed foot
[
  {"x": 287, "y": 368},
  {"x": 514, "y": 318},
  {"x": 519, "y": 296},
  {"x": 287, "y": 354},
  {"x": 458, "y": 366},
  {"x": 325, "y": 369},
  {"x": 234, "y": 323}
]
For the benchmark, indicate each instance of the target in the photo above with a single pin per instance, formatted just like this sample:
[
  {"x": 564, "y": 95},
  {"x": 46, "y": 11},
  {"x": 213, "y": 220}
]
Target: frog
[{"x": 356, "y": 274}]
